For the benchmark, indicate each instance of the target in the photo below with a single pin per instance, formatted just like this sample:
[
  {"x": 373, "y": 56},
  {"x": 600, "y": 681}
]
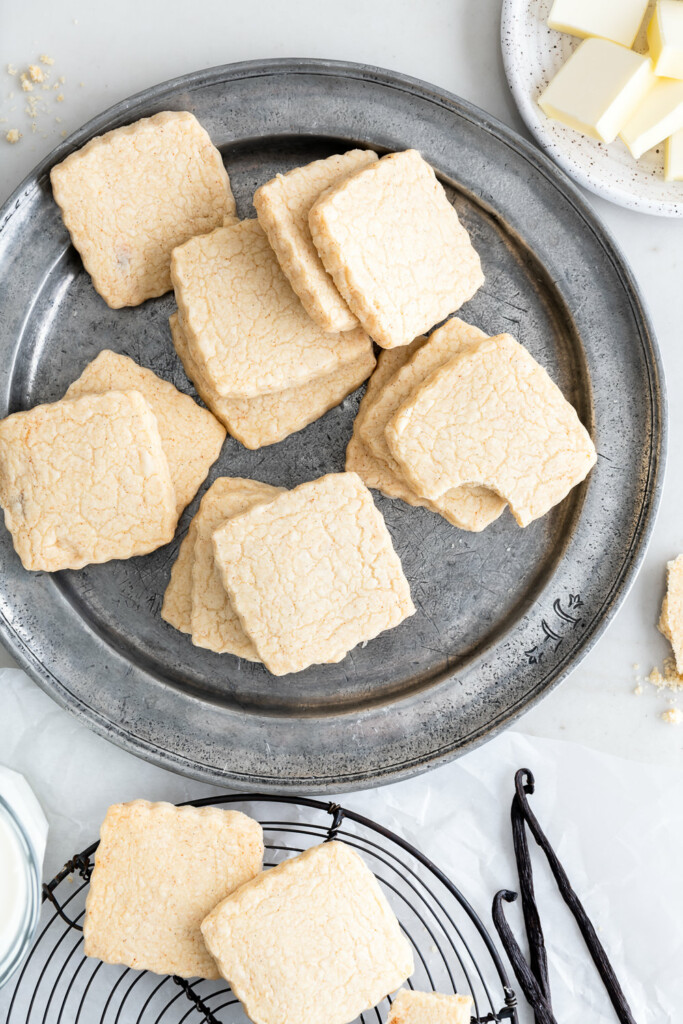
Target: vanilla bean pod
[
  {"x": 527, "y": 980},
  {"x": 525, "y": 784},
  {"x": 538, "y": 959}
]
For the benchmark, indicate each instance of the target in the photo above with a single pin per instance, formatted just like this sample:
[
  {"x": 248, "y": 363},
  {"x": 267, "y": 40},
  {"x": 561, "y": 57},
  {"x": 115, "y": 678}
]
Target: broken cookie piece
[
  {"x": 246, "y": 330},
  {"x": 267, "y": 419},
  {"x": 129, "y": 197},
  {"x": 313, "y": 939},
  {"x": 671, "y": 619},
  {"x": 395, "y": 248},
  {"x": 159, "y": 870},
  {"x": 215, "y": 624},
  {"x": 282, "y": 206},
  {"x": 85, "y": 480},
  {"x": 492, "y": 416},
  {"x": 312, "y": 574},
  {"x": 410, "y": 1007},
  {"x": 470, "y": 506},
  {"x": 191, "y": 436}
]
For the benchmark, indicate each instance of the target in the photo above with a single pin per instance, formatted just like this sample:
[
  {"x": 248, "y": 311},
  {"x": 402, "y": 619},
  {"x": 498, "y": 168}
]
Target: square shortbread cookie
[
  {"x": 245, "y": 328},
  {"x": 176, "y": 608},
  {"x": 282, "y": 206},
  {"x": 159, "y": 870},
  {"x": 129, "y": 197},
  {"x": 191, "y": 436},
  {"x": 214, "y": 621},
  {"x": 85, "y": 480},
  {"x": 267, "y": 419},
  {"x": 313, "y": 574},
  {"x": 671, "y": 619},
  {"x": 411, "y": 1007},
  {"x": 395, "y": 248},
  {"x": 313, "y": 939},
  {"x": 470, "y": 507},
  {"x": 493, "y": 416}
]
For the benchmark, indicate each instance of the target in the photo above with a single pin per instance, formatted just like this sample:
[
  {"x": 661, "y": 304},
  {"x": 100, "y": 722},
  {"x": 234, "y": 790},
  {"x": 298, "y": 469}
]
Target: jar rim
[{"x": 22, "y": 941}]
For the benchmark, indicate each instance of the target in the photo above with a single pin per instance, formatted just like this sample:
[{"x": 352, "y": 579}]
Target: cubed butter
[
  {"x": 665, "y": 38},
  {"x": 673, "y": 161},
  {"x": 598, "y": 88},
  {"x": 618, "y": 20},
  {"x": 659, "y": 115}
]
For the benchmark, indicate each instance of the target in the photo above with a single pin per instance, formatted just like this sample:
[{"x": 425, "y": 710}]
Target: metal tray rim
[{"x": 165, "y": 758}]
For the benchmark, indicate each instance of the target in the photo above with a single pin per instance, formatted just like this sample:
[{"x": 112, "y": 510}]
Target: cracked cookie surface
[
  {"x": 282, "y": 206},
  {"x": 493, "y": 416},
  {"x": 159, "y": 870},
  {"x": 313, "y": 573},
  {"x": 214, "y": 621},
  {"x": 191, "y": 436},
  {"x": 267, "y": 419},
  {"x": 246, "y": 329},
  {"x": 85, "y": 480},
  {"x": 395, "y": 248},
  {"x": 313, "y": 939},
  {"x": 469, "y": 507},
  {"x": 129, "y": 197}
]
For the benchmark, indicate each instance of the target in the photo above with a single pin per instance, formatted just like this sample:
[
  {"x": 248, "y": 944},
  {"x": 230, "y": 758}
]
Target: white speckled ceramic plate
[{"x": 532, "y": 54}]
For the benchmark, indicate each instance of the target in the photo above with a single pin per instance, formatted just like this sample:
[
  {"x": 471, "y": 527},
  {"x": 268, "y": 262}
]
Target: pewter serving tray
[{"x": 503, "y": 615}]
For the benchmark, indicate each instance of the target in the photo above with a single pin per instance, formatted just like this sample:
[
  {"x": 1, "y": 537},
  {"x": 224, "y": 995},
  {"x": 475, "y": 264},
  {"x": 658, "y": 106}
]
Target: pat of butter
[
  {"x": 673, "y": 160},
  {"x": 665, "y": 38},
  {"x": 618, "y": 20},
  {"x": 598, "y": 88},
  {"x": 659, "y": 115}
]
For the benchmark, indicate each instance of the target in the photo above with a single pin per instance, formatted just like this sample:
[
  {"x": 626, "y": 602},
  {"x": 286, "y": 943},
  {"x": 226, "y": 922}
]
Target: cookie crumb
[
  {"x": 13, "y": 135},
  {"x": 44, "y": 59},
  {"x": 668, "y": 679},
  {"x": 673, "y": 716},
  {"x": 60, "y": 98},
  {"x": 638, "y": 690},
  {"x": 25, "y": 84},
  {"x": 11, "y": 69},
  {"x": 37, "y": 74},
  {"x": 636, "y": 666}
]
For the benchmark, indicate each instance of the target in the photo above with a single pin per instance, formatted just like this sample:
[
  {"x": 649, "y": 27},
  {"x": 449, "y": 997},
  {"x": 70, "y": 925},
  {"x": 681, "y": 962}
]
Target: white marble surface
[{"x": 116, "y": 50}]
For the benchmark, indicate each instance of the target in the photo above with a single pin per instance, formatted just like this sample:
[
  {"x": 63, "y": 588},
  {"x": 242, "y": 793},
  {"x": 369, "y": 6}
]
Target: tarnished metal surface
[{"x": 502, "y": 615}]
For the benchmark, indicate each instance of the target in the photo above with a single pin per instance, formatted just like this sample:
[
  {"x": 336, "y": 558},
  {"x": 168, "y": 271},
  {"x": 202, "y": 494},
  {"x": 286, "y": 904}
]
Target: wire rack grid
[{"x": 453, "y": 951}]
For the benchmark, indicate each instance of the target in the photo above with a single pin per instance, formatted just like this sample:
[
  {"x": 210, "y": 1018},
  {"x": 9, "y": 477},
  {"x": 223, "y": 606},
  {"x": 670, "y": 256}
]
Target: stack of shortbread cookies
[
  {"x": 465, "y": 424},
  {"x": 183, "y": 891},
  {"x": 289, "y": 578},
  {"x": 105, "y": 472}
]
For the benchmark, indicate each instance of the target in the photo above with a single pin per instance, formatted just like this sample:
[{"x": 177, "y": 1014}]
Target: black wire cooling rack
[{"x": 453, "y": 950}]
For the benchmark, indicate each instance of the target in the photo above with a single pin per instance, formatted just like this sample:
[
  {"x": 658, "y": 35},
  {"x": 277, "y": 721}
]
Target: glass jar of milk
[{"x": 23, "y": 833}]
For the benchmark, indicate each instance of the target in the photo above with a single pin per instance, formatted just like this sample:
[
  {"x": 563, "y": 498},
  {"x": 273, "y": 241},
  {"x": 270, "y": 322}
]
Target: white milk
[
  {"x": 14, "y": 885},
  {"x": 23, "y": 834}
]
